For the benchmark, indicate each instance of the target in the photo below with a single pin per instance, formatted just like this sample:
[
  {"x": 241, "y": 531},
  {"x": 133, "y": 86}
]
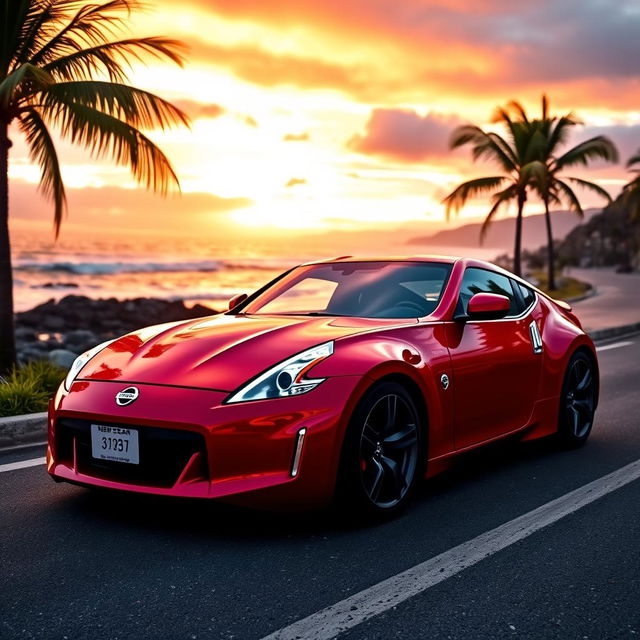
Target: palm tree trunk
[
  {"x": 517, "y": 250},
  {"x": 551, "y": 259},
  {"x": 7, "y": 335}
]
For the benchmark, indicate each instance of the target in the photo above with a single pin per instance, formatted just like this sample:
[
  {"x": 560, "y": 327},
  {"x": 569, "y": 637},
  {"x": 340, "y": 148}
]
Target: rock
[
  {"x": 62, "y": 357},
  {"x": 23, "y": 334},
  {"x": 77, "y": 323},
  {"x": 53, "y": 323},
  {"x": 29, "y": 355},
  {"x": 80, "y": 340},
  {"x": 59, "y": 285}
]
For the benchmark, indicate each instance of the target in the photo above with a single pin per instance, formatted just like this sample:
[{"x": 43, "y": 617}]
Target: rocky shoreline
[{"x": 60, "y": 331}]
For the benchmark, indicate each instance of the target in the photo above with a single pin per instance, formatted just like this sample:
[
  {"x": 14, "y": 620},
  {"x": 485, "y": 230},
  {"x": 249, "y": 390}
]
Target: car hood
[{"x": 221, "y": 352}]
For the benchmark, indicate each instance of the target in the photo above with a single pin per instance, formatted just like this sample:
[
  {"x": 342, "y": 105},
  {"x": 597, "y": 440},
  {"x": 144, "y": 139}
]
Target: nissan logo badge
[{"x": 127, "y": 396}]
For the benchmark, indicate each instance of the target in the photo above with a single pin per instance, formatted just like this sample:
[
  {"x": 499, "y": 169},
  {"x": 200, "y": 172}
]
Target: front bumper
[{"x": 192, "y": 445}]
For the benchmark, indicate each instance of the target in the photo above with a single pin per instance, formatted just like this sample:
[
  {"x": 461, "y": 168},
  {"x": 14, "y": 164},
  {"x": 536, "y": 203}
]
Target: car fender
[{"x": 375, "y": 358}]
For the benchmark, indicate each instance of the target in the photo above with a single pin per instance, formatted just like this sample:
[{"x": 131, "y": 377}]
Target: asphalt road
[
  {"x": 74, "y": 564},
  {"x": 617, "y": 302}
]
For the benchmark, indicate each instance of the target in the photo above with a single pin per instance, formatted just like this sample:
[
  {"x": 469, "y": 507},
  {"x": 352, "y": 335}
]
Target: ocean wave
[{"x": 121, "y": 267}]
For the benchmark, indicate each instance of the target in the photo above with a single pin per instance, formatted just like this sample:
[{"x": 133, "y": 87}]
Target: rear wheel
[
  {"x": 577, "y": 401},
  {"x": 383, "y": 452}
]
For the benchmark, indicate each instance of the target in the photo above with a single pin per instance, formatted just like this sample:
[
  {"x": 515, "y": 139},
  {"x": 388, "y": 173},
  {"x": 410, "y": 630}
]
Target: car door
[{"x": 496, "y": 365}]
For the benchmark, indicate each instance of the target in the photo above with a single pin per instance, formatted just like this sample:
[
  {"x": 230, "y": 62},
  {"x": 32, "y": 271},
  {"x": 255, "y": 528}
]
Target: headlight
[
  {"x": 286, "y": 378},
  {"x": 80, "y": 361}
]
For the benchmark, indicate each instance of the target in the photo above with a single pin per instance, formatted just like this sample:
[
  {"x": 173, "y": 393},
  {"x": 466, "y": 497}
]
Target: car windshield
[{"x": 357, "y": 289}]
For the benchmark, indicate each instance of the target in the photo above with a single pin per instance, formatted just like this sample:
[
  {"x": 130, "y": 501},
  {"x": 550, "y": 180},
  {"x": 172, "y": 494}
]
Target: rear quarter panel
[{"x": 561, "y": 338}]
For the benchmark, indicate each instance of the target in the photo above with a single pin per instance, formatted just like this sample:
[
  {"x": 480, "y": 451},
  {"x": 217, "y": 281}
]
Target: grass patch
[
  {"x": 28, "y": 388},
  {"x": 567, "y": 287}
]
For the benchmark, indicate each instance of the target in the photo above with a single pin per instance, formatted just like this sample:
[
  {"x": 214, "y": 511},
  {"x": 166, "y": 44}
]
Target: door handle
[{"x": 536, "y": 338}]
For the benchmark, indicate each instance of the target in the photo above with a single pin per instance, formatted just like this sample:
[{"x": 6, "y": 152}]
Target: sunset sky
[{"x": 322, "y": 114}]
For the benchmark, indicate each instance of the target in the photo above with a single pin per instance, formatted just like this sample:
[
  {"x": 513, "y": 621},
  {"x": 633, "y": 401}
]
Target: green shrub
[
  {"x": 28, "y": 388},
  {"x": 46, "y": 375},
  {"x": 21, "y": 396}
]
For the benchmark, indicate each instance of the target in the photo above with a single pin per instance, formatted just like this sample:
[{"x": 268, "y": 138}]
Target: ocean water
[{"x": 190, "y": 269}]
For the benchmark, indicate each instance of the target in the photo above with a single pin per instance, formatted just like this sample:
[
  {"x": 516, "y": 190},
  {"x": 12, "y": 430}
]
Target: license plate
[{"x": 119, "y": 444}]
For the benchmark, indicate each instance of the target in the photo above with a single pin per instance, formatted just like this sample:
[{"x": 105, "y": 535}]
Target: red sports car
[{"x": 347, "y": 378}]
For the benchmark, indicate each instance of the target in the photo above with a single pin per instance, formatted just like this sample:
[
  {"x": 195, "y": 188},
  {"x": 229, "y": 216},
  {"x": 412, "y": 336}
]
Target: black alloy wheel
[
  {"x": 578, "y": 400},
  {"x": 384, "y": 453}
]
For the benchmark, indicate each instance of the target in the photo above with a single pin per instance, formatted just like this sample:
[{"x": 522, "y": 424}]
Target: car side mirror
[
  {"x": 488, "y": 306},
  {"x": 236, "y": 300}
]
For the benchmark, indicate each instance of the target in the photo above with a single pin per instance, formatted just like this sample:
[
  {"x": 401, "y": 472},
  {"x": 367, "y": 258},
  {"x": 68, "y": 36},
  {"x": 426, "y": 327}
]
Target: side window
[
  {"x": 527, "y": 295},
  {"x": 485, "y": 281}
]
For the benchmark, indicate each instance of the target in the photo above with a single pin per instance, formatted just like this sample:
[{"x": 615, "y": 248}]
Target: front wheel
[
  {"x": 577, "y": 401},
  {"x": 383, "y": 452}
]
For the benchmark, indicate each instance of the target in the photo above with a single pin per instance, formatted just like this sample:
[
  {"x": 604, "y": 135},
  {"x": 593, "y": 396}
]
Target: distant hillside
[{"x": 501, "y": 232}]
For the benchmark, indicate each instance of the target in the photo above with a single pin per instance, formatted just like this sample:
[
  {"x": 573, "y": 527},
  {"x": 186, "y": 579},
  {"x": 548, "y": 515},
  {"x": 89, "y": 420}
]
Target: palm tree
[
  {"x": 512, "y": 154},
  {"x": 631, "y": 191},
  {"x": 62, "y": 66},
  {"x": 549, "y": 133}
]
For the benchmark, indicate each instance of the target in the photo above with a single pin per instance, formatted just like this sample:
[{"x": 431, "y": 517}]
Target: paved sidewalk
[{"x": 617, "y": 301}]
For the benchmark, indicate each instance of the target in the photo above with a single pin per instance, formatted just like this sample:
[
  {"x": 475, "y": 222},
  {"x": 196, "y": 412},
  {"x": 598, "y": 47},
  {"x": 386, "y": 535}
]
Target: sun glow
[{"x": 278, "y": 92}]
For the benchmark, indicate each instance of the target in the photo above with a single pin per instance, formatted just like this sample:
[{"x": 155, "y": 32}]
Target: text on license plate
[{"x": 119, "y": 444}]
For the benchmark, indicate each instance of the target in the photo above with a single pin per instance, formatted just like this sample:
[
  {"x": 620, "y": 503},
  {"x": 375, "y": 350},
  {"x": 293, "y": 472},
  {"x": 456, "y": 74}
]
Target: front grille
[{"x": 164, "y": 453}]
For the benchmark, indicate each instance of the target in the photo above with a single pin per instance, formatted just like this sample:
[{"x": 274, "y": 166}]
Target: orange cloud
[
  {"x": 294, "y": 182},
  {"x": 420, "y": 50},
  {"x": 127, "y": 208},
  {"x": 296, "y": 137},
  {"x": 405, "y": 135},
  {"x": 199, "y": 110}
]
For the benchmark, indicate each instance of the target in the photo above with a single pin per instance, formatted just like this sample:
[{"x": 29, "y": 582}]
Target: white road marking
[
  {"x": 615, "y": 345},
  {"x": 23, "y": 464},
  {"x": 381, "y": 597}
]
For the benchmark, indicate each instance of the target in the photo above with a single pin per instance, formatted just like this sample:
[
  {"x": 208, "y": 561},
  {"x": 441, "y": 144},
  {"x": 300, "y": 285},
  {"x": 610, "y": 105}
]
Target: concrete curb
[
  {"x": 32, "y": 428},
  {"x": 614, "y": 332},
  {"x": 23, "y": 430},
  {"x": 592, "y": 291}
]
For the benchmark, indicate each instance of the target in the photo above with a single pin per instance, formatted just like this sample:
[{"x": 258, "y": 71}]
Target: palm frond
[
  {"x": 517, "y": 130},
  {"x": 631, "y": 198},
  {"x": 545, "y": 107},
  {"x": 463, "y": 192},
  {"x": 566, "y": 192},
  {"x": 137, "y": 107},
  {"x": 597, "y": 148},
  {"x": 92, "y": 24},
  {"x": 107, "y": 136},
  {"x": 517, "y": 107},
  {"x": 534, "y": 146},
  {"x": 635, "y": 159},
  {"x": 499, "y": 199},
  {"x": 25, "y": 79},
  {"x": 465, "y": 134},
  {"x": 494, "y": 147},
  {"x": 114, "y": 58},
  {"x": 40, "y": 24},
  {"x": 42, "y": 150},
  {"x": 560, "y": 132},
  {"x": 487, "y": 145},
  {"x": 592, "y": 186}
]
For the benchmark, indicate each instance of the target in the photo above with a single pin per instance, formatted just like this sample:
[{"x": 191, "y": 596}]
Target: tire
[
  {"x": 577, "y": 401},
  {"x": 383, "y": 453}
]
